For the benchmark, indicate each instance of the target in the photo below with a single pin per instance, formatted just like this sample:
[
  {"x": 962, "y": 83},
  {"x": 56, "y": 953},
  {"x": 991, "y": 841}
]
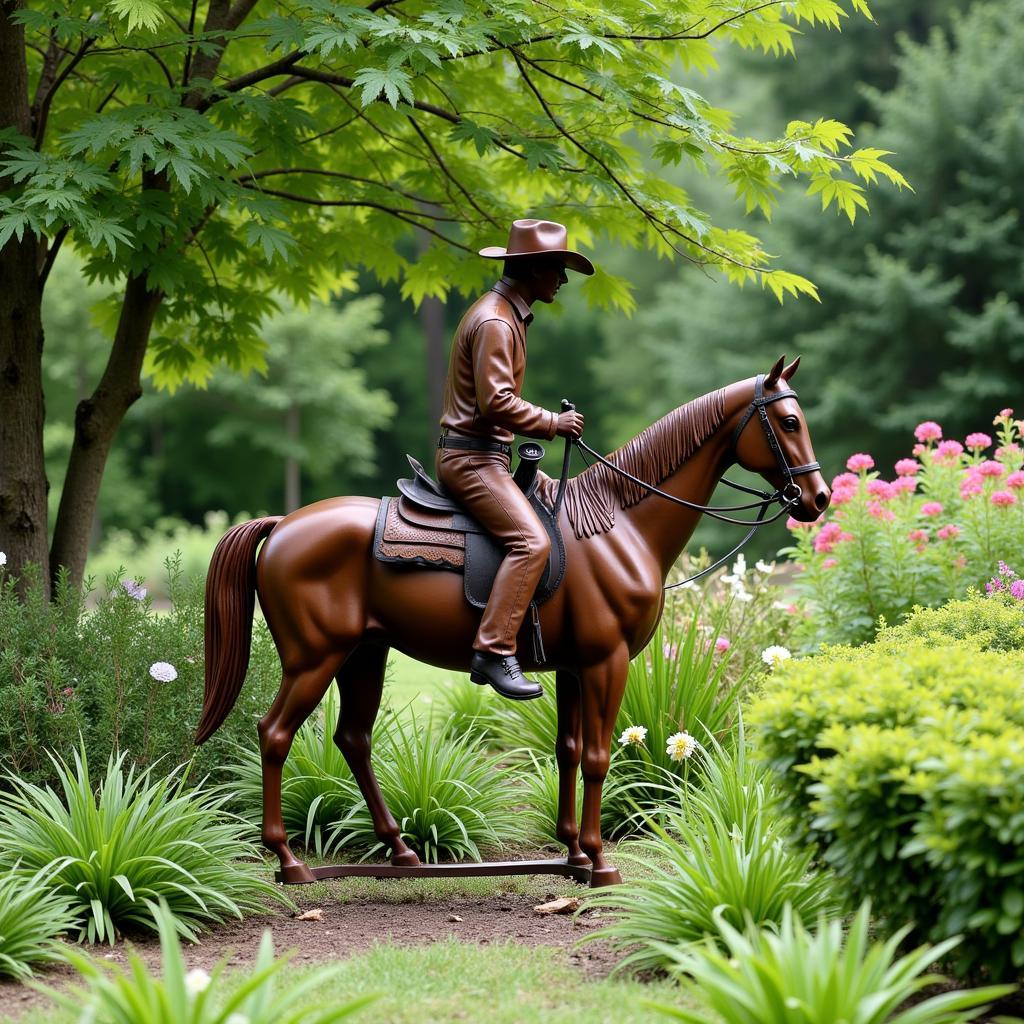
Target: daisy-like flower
[
  {"x": 775, "y": 655},
  {"x": 163, "y": 672},
  {"x": 634, "y": 736},
  {"x": 681, "y": 745},
  {"x": 196, "y": 981},
  {"x": 3, "y": 558}
]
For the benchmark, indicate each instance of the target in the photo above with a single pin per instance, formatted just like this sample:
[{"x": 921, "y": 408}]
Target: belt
[{"x": 473, "y": 444}]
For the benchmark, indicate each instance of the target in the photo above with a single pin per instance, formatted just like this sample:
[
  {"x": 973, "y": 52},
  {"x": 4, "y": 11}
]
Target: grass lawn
[{"x": 455, "y": 981}]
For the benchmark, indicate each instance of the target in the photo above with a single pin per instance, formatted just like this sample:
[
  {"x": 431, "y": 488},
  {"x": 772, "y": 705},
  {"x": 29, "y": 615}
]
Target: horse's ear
[
  {"x": 775, "y": 372},
  {"x": 789, "y": 371}
]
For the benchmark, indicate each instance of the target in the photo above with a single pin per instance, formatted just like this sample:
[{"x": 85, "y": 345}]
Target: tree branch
[{"x": 43, "y": 113}]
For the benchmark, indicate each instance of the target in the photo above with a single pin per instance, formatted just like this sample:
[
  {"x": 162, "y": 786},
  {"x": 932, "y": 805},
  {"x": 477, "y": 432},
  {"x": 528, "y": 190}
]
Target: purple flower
[
  {"x": 1017, "y": 589},
  {"x": 133, "y": 589}
]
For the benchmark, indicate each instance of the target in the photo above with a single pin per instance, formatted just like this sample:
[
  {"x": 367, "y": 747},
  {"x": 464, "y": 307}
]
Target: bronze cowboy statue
[{"x": 482, "y": 411}]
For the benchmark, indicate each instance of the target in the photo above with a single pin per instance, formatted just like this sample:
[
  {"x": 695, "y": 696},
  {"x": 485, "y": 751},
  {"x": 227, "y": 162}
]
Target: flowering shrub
[
  {"x": 906, "y": 762},
  {"x": 940, "y": 525},
  {"x": 119, "y": 674}
]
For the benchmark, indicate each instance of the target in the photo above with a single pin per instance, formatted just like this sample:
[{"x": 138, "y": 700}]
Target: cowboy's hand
[{"x": 570, "y": 424}]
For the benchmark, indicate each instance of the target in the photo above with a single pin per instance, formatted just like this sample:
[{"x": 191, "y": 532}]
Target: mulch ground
[{"x": 350, "y": 928}]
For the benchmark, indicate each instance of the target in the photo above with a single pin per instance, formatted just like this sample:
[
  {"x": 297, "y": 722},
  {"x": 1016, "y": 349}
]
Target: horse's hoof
[
  {"x": 604, "y": 876},
  {"x": 578, "y": 860},
  {"x": 406, "y": 859},
  {"x": 296, "y": 874}
]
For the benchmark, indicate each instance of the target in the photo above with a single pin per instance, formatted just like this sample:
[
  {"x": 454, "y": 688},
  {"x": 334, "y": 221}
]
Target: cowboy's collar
[{"x": 506, "y": 288}]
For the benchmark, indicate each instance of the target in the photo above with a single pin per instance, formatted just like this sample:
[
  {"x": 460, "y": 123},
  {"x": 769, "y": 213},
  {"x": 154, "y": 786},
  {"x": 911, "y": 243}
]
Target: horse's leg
[
  {"x": 360, "y": 683},
  {"x": 298, "y": 697},
  {"x": 567, "y": 753},
  {"x": 603, "y": 686}
]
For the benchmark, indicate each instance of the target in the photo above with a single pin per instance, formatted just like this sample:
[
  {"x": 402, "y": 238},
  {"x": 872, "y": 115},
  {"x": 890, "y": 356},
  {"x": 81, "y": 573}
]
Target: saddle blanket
[{"x": 407, "y": 534}]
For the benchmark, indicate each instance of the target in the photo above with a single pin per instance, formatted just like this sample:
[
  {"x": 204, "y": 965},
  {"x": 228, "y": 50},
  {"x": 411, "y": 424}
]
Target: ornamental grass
[
  {"x": 32, "y": 916},
  {"x": 719, "y": 852},
  {"x": 138, "y": 838},
  {"x": 786, "y": 974}
]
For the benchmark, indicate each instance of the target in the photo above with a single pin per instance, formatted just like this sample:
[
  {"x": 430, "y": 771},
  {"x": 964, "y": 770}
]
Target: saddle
[{"x": 424, "y": 527}]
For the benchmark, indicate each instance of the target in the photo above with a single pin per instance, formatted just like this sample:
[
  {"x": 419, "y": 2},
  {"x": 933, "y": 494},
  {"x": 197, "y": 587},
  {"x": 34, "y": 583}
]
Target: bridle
[{"x": 788, "y": 496}]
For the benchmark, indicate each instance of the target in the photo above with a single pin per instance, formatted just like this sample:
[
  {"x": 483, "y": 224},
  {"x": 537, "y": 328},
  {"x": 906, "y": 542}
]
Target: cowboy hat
[{"x": 539, "y": 238}]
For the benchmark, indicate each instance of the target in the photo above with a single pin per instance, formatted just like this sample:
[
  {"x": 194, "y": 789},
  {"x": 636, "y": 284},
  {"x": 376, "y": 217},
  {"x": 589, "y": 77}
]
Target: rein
[{"x": 788, "y": 496}]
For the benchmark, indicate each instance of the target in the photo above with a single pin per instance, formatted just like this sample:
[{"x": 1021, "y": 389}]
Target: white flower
[
  {"x": 634, "y": 736},
  {"x": 196, "y": 981},
  {"x": 762, "y": 566},
  {"x": 739, "y": 567},
  {"x": 3, "y": 558},
  {"x": 731, "y": 580},
  {"x": 163, "y": 672},
  {"x": 680, "y": 746},
  {"x": 742, "y": 594},
  {"x": 775, "y": 655}
]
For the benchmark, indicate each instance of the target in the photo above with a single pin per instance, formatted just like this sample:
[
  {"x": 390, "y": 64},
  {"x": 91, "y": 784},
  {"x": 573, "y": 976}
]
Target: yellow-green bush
[
  {"x": 989, "y": 623},
  {"x": 905, "y": 761}
]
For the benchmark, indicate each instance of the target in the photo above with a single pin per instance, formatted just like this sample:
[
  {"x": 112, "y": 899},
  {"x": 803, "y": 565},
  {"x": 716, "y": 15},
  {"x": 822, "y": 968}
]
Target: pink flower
[
  {"x": 843, "y": 495},
  {"x": 991, "y": 468},
  {"x": 918, "y": 449},
  {"x": 1016, "y": 479},
  {"x": 907, "y": 467},
  {"x": 792, "y": 609},
  {"x": 928, "y": 431},
  {"x": 1017, "y": 589},
  {"x": 918, "y": 536},
  {"x": 904, "y": 485},
  {"x": 1004, "y": 414},
  {"x": 880, "y": 489},
  {"x": 829, "y": 563},
  {"x": 844, "y": 537},
  {"x": 68, "y": 691},
  {"x": 960, "y": 562},
  {"x": 948, "y": 451},
  {"x": 977, "y": 441},
  {"x": 1007, "y": 450},
  {"x": 931, "y": 508},
  {"x": 722, "y": 645},
  {"x": 846, "y": 480},
  {"x": 860, "y": 462},
  {"x": 796, "y": 524},
  {"x": 948, "y": 532},
  {"x": 876, "y": 510},
  {"x": 1004, "y": 498}
]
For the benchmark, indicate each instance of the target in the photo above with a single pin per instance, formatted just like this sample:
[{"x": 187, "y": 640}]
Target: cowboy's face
[{"x": 548, "y": 277}]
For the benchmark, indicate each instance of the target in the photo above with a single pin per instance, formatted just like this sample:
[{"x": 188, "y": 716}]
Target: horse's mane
[{"x": 654, "y": 454}]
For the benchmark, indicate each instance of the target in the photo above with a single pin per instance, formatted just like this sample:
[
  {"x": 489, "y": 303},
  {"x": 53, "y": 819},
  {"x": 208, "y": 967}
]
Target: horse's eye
[{"x": 790, "y": 424}]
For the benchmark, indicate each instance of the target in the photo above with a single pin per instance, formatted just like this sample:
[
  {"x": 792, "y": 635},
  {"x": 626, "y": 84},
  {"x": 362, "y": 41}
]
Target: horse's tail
[{"x": 230, "y": 601}]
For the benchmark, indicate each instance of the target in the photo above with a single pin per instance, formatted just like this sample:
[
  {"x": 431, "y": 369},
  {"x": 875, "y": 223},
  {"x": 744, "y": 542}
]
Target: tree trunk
[
  {"x": 23, "y": 483},
  {"x": 97, "y": 420},
  {"x": 292, "y": 466}
]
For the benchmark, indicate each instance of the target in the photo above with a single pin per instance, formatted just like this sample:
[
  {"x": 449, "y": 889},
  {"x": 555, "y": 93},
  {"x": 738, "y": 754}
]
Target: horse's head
[{"x": 771, "y": 438}]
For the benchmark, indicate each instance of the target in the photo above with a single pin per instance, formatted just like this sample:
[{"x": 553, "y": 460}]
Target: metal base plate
[{"x": 580, "y": 872}]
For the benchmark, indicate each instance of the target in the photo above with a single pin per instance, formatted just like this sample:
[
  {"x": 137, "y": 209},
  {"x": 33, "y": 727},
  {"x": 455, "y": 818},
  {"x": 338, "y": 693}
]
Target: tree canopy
[{"x": 204, "y": 161}]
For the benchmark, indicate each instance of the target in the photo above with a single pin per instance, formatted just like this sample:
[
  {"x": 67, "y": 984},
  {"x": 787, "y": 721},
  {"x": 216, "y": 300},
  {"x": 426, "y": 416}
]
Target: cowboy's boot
[{"x": 502, "y": 671}]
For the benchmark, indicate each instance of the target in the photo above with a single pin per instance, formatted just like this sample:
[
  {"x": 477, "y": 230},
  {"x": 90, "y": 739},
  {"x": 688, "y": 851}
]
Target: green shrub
[
  {"x": 907, "y": 764},
  {"x": 447, "y": 794},
  {"x": 113, "y": 851},
  {"x": 721, "y": 853},
  {"x": 67, "y": 671},
  {"x": 988, "y": 623},
  {"x": 769, "y": 976},
  {"x": 113, "y": 995},
  {"x": 32, "y": 915}
]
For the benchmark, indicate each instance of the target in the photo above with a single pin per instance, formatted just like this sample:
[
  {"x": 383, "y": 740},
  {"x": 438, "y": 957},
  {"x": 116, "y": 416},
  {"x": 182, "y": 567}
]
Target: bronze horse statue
[{"x": 335, "y": 611}]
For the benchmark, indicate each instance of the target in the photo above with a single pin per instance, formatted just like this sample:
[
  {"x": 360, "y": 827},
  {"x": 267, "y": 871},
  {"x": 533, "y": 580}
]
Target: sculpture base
[{"x": 580, "y": 872}]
